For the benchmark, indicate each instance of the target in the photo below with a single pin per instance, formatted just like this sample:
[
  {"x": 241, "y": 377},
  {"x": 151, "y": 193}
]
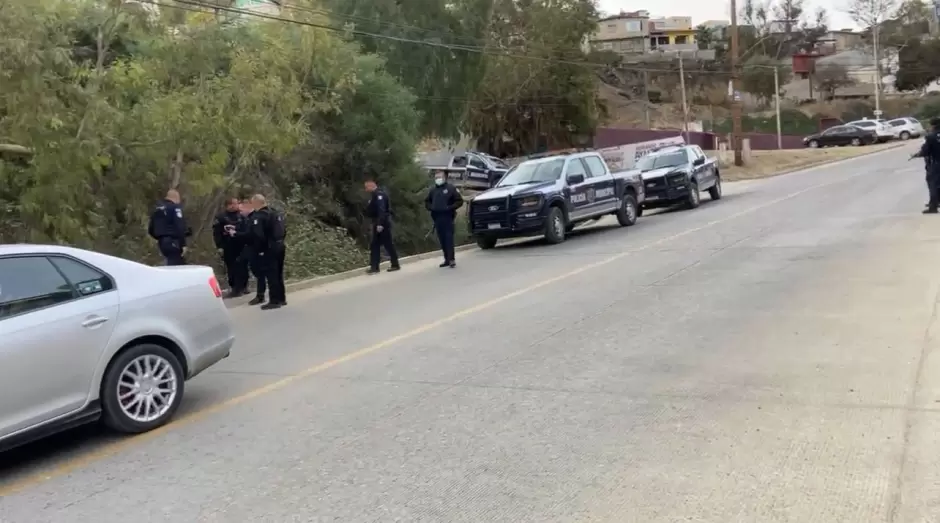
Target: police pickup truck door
[
  {"x": 605, "y": 191},
  {"x": 581, "y": 187},
  {"x": 478, "y": 173},
  {"x": 703, "y": 173}
]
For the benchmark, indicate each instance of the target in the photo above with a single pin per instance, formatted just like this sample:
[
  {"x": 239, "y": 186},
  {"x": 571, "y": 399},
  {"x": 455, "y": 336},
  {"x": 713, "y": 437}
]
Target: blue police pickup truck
[
  {"x": 677, "y": 175},
  {"x": 550, "y": 196}
]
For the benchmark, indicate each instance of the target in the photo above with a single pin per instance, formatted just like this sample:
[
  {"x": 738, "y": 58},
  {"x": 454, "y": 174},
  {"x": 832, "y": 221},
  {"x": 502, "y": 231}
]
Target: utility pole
[
  {"x": 646, "y": 96},
  {"x": 874, "y": 32},
  {"x": 735, "y": 95},
  {"x": 685, "y": 106},
  {"x": 777, "y": 104}
]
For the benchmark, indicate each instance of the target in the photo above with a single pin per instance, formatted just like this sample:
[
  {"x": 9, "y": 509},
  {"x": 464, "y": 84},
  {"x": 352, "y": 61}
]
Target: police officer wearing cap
[
  {"x": 168, "y": 227},
  {"x": 930, "y": 152}
]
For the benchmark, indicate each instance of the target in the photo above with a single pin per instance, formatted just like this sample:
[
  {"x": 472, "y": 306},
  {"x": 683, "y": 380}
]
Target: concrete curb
[{"x": 340, "y": 276}]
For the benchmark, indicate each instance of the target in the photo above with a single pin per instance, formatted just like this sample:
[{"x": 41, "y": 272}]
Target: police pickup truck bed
[
  {"x": 678, "y": 174},
  {"x": 550, "y": 196}
]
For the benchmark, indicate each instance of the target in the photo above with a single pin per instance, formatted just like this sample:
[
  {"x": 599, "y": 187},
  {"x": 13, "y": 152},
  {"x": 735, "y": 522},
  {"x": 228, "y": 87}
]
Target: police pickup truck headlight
[
  {"x": 530, "y": 202},
  {"x": 678, "y": 179}
]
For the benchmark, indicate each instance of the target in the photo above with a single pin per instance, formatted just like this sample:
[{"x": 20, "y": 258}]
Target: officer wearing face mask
[{"x": 442, "y": 202}]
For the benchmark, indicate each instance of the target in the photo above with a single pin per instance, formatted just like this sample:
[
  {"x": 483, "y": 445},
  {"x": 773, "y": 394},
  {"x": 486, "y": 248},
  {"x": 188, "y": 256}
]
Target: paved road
[{"x": 766, "y": 358}]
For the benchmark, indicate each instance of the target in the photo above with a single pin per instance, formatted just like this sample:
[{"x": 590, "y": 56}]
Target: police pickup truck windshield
[
  {"x": 534, "y": 172},
  {"x": 651, "y": 162}
]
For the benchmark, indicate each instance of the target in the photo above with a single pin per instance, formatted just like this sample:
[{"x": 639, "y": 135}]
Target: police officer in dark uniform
[
  {"x": 168, "y": 227},
  {"x": 266, "y": 233},
  {"x": 930, "y": 152},
  {"x": 230, "y": 230},
  {"x": 442, "y": 202},
  {"x": 379, "y": 211}
]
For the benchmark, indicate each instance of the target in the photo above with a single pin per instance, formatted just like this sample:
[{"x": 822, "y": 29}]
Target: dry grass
[{"x": 764, "y": 164}]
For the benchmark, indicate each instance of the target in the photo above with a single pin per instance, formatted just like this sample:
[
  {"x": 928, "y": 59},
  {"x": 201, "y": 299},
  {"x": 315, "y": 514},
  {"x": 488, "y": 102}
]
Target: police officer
[
  {"x": 168, "y": 227},
  {"x": 442, "y": 202},
  {"x": 229, "y": 230},
  {"x": 930, "y": 152},
  {"x": 266, "y": 233},
  {"x": 379, "y": 211}
]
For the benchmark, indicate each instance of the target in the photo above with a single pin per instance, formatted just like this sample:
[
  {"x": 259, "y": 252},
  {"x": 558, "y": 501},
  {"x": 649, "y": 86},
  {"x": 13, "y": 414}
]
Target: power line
[
  {"x": 442, "y": 45},
  {"x": 195, "y": 5}
]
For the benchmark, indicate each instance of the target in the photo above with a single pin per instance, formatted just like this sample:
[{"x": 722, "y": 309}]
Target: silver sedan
[{"x": 86, "y": 336}]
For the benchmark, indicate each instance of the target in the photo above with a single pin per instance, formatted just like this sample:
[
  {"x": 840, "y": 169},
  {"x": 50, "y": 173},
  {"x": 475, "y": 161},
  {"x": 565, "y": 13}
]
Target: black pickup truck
[
  {"x": 678, "y": 174},
  {"x": 550, "y": 196}
]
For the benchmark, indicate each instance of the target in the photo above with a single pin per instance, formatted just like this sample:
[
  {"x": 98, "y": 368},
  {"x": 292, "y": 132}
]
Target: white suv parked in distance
[
  {"x": 907, "y": 127},
  {"x": 883, "y": 131}
]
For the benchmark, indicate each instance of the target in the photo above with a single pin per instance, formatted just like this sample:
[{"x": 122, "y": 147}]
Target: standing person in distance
[
  {"x": 266, "y": 241},
  {"x": 168, "y": 227},
  {"x": 930, "y": 152},
  {"x": 379, "y": 211},
  {"x": 442, "y": 202},
  {"x": 229, "y": 231}
]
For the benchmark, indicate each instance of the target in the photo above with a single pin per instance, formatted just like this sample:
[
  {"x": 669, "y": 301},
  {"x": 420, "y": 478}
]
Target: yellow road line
[{"x": 114, "y": 448}]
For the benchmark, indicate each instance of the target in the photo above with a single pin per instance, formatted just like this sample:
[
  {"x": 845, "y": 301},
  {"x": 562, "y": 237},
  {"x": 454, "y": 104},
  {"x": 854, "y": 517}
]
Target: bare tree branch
[{"x": 869, "y": 13}]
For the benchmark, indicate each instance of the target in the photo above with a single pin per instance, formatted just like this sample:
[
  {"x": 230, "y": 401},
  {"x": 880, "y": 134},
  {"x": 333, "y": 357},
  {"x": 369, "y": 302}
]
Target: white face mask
[{"x": 438, "y": 181}]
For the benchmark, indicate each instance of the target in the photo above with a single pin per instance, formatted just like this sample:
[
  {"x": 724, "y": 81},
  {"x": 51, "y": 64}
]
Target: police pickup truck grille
[
  {"x": 481, "y": 208},
  {"x": 490, "y": 214},
  {"x": 656, "y": 183}
]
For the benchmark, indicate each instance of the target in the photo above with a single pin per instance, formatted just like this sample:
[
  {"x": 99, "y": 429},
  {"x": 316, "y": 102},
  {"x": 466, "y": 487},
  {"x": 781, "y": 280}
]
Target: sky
[{"x": 701, "y": 11}]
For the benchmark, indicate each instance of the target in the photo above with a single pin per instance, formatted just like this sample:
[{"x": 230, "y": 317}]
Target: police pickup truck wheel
[
  {"x": 627, "y": 214},
  {"x": 141, "y": 389},
  {"x": 486, "y": 242},
  {"x": 715, "y": 191},
  {"x": 695, "y": 197},
  {"x": 555, "y": 226}
]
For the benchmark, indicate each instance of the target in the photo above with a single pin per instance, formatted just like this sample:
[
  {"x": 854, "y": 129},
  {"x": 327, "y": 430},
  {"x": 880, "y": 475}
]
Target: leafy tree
[
  {"x": 909, "y": 22},
  {"x": 118, "y": 105},
  {"x": 829, "y": 77},
  {"x": 547, "y": 99},
  {"x": 757, "y": 77},
  {"x": 442, "y": 73},
  {"x": 918, "y": 65}
]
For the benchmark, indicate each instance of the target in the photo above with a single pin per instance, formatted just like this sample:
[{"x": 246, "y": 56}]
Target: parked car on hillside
[
  {"x": 678, "y": 174},
  {"x": 882, "y": 130},
  {"x": 907, "y": 127},
  {"x": 550, "y": 196},
  {"x": 87, "y": 336},
  {"x": 841, "y": 135}
]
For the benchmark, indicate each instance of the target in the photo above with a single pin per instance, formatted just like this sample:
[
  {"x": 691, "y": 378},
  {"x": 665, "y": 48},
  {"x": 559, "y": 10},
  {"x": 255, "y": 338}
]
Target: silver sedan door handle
[{"x": 94, "y": 322}]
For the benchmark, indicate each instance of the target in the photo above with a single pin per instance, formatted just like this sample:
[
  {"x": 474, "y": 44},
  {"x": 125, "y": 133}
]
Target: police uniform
[
  {"x": 930, "y": 152},
  {"x": 442, "y": 202},
  {"x": 229, "y": 230},
  {"x": 168, "y": 227},
  {"x": 379, "y": 211},
  {"x": 266, "y": 233}
]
